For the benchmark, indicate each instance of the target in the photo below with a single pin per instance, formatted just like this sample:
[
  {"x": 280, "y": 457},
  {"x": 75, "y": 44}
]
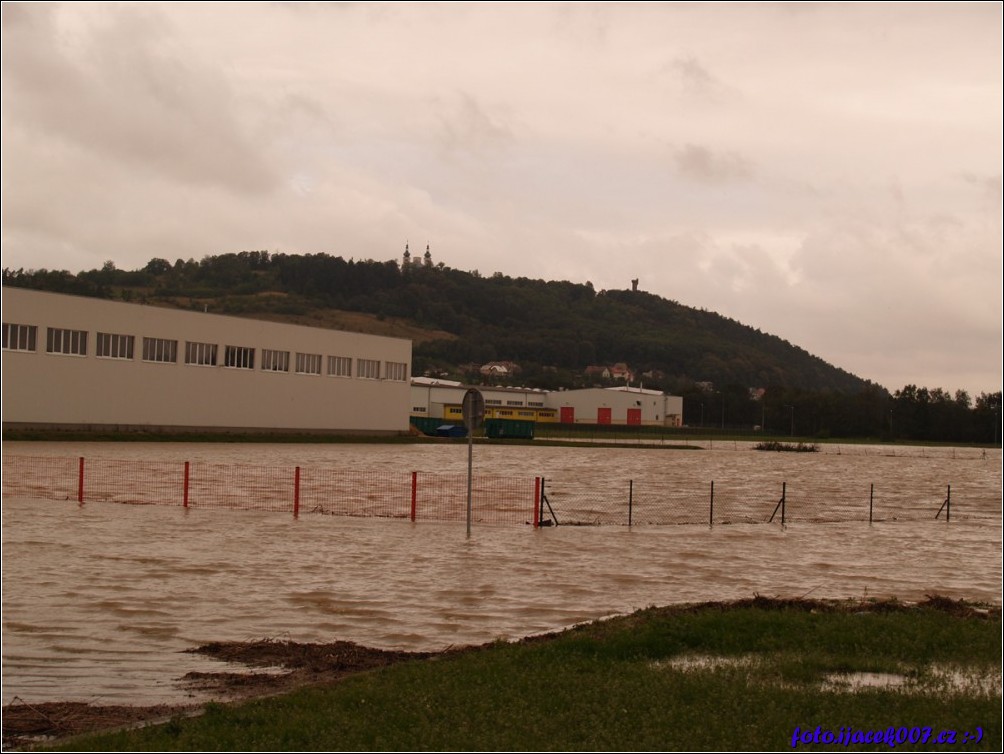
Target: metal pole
[
  {"x": 630, "y": 499},
  {"x": 538, "y": 485},
  {"x": 296, "y": 493},
  {"x": 948, "y": 504},
  {"x": 784, "y": 495},
  {"x": 470, "y": 469},
  {"x": 711, "y": 511},
  {"x": 414, "y": 494},
  {"x": 871, "y": 502},
  {"x": 185, "y": 501},
  {"x": 80, "y": 481}
]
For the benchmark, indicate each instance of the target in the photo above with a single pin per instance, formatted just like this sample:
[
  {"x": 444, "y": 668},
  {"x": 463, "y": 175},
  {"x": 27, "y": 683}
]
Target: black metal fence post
[
  {"x": 871, "y": 502},
  {"x": 946, "y": 506},
  {"x": 780, "y": 505},
  {"x": 630, "y": 499},
  {"x": 711, "y": 508}
]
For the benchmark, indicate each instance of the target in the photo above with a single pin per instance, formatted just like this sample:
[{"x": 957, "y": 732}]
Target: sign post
[{"x": 474, "y": 415}]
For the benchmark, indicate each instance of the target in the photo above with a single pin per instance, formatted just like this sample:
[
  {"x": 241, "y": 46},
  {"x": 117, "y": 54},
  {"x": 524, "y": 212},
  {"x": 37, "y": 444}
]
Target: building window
[
  {"x": 493, "y": 402},
  {"x": 202, "y": 354},
  {"x": 271, "y": 361},
  {"x": 368, "y": 369},
  {"x": 514, "y": 403},
  {"x": 19, "y": 337},
  {"x": 396, "y": 371},
  {"x": 308, "y": 363},
  {"x": 159, "y": 349},
  {"x": 66, "y": 341},
  {"x": 340, "y": 366},
  {"x": 526, "y": 413},
  {"x": 535, "y": 403},
  {"x": 111, "y": 346},
  {"x": 419, "y": 409},
  {"x": 238, "y": 357}
]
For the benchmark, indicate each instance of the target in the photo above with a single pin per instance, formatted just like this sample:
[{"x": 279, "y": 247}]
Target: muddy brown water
[{"x": 101, "y": 600}]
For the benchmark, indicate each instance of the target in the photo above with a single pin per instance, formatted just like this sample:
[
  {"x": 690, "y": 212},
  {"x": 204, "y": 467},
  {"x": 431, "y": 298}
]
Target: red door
[
  {"x": 634, "y": 416},
  {"x": 568, "y": 414},
  {"x": 603, "y": 416}
]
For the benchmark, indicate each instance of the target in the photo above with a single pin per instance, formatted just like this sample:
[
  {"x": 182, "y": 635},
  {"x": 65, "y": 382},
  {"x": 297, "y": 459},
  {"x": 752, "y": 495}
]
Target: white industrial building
[
  {"x": 76, "y": 362},
  {"x": 442, "y": 399},
  {"x": 633, "y": 406}
]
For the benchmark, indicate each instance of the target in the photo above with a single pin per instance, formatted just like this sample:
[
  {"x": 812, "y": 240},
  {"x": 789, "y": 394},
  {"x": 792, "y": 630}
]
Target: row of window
[
  {"x": 114, "y": 346},
  {"x": 498, "y": 402}
]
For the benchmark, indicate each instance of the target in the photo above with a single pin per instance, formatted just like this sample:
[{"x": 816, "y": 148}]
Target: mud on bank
[{"x": 276, "y": 666}]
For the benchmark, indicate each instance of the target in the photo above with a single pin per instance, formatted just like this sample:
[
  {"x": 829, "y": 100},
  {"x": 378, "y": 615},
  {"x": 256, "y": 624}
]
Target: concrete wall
[{"x": 41, "y": 388}]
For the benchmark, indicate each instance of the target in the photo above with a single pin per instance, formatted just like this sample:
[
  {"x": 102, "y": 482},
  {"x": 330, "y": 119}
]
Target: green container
[{"x": 508, "y": 428}]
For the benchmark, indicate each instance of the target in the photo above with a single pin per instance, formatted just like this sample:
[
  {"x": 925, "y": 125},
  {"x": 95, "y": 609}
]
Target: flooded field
[{"x": 100, "y": 600}]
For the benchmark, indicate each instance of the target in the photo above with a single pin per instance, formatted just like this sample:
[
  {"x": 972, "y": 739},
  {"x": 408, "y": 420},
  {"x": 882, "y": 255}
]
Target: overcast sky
[{"x": 829, "y": 173}]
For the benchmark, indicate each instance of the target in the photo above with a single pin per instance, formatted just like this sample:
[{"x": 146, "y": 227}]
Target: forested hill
[{"x": 552, "y": 330}]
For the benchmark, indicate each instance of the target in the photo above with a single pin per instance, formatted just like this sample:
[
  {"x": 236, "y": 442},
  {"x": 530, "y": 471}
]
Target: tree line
[{"x": 554, "y": 330}]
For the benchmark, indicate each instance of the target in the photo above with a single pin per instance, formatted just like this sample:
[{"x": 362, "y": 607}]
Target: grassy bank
[{"x": 742, "y": 676}]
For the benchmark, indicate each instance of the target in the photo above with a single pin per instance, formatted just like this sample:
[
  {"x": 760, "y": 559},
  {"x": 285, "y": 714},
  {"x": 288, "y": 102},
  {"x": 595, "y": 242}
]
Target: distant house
[
  {"x": 619, "y": 372},
  {"x": 499, "y": 369}
]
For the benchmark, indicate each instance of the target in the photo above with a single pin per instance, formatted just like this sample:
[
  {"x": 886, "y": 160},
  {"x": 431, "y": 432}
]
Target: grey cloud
[
  {"x": 696, "y": 83},
  {"x": 468, "y": 127},
  {"x": 988, "y": 185},
  {"x": 702, "y": 164},
  {"x": 122, "y": 89},
  {"x": 693, "y": 75}
]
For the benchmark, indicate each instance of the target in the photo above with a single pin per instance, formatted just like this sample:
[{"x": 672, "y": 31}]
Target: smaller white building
[
  {"x": 443, "y": 399},
  {"x": 618, "y": 405}
]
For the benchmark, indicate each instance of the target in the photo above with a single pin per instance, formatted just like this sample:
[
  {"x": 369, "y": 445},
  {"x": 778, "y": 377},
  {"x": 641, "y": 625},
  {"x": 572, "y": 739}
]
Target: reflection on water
[{"x": 99, "y": 601}]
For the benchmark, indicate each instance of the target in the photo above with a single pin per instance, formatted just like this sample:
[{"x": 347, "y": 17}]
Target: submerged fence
[
  {"x": 298, "y": 490},
  {"x": 710, "y": 503},
  {"x": 496, "y": 500}
]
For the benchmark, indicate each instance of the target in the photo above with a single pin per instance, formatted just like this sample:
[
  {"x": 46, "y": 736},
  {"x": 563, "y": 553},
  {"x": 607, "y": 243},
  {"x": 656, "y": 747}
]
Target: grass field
[{"x": 755, "y": 675}]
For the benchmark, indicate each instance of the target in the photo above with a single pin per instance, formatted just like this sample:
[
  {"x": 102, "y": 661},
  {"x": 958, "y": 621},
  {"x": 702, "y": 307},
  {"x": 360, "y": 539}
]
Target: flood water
[{"x": 100, "y": 600}]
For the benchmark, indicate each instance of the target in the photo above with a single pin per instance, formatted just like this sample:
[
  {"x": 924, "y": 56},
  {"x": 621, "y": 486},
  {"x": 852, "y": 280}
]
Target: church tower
[
  {"x": 407, "y": 257},
  {"x": 428, "y": 256}
]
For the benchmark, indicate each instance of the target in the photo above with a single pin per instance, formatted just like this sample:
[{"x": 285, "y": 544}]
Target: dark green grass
[{"x": 608, "y": 686}]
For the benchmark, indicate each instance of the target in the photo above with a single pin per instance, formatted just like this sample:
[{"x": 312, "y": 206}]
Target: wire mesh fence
[
  {"x": 495, "y": 500},
  {"x": 418, "y": 496},
  {"x": 580, "y": 503}
]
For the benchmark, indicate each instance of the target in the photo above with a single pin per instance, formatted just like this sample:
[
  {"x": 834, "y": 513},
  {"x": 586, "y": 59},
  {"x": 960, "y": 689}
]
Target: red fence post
[
  {"x": 80, "y": 482},
  {"x": 536, "y": 502},
  {"x": 186, "y": 485},
  {"x": 296, "y": 493},
  {"x": 414, "y": 493}
]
